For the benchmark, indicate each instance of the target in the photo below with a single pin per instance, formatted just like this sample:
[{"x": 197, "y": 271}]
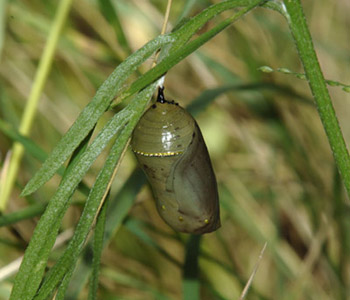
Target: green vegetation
[{"x": 75, "y": 79}]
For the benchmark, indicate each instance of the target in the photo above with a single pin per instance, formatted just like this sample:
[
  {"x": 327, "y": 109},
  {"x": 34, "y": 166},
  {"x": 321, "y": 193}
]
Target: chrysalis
[{"x": 171, "y": 151}]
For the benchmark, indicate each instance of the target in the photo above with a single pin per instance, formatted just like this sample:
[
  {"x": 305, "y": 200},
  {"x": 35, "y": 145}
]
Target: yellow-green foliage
[{"x": 278, "y": 182}]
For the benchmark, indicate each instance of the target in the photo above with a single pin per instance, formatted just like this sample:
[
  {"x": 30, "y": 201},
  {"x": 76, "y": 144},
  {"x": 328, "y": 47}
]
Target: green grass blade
[
  {"x": 23, "y": 214},
  {"x": 208, "y": 96},
  {"x": 134, "y": 112},
  {"x": 191, "y": 284},
  {"x": 34, "y": 150},
  {"x": 137, "y": 227},
  {"x": 118, "y": 209},
  {"x": 197, "y": 22},
  {"x": 109, "y": 12},
  {"x": 31, "y": 106},
  {"x": 131, "y": 281},
  {"x": 120, "y": 205},
  {"x": 41, "y": 251},
  {"x": 317, "y": 83},
  {"x": 92, "y": 112},
  {"x": 30, "y": 147},
  {"x": 81, "y": 275},
  {"x": 97, "y": 251},
  {"x": 61, "y": 291},
  {"x": 37, "y": 253},
  {"x": 179, "y": 54},
  {"x": 227, "y": 75},
  {"x": 3, "y": 5}
]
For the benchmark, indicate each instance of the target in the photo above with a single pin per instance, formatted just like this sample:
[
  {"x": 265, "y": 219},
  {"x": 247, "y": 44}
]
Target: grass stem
[{"x": 33, "y": 100}]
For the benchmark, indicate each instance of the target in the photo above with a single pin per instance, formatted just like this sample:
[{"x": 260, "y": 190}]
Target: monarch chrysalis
[{"x": 171, "y": 151}]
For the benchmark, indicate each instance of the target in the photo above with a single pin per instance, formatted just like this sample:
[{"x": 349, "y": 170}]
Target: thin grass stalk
[
  {"x": 97, "y": 250},
  {"x": 317, "y": 83},
  {"x": 33, "y": 100}
]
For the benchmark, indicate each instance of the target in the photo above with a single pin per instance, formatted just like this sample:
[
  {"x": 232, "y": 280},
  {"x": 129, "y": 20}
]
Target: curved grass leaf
[
  {"x": 97, "y": 251},
  {"x": 34, "y": 150},
  {"x": 126, "y": 280},
  {"x": 110, "y": 13},
  {"x": 92, "y": 112},
  {"x": 81, "y": 274},
  {"x": 208, "y": 96},
  {"x": 120, "y": 205},
  {"x": 194, "y": 24},
  {"x": 179, "y": 53},
  {"x": 118, "y": 208},
  {"x": 30, "y": 147},
  {"x": 23, "y": 214},
  {"x": 56, "y": 274},
  {"x": 35, "y": 258},
  {"x": 137, "y": 227},
  {"x": 61, "y": 291}
]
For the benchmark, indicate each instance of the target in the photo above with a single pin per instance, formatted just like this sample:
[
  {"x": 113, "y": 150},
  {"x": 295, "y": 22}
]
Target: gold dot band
[{"x": 159, "y": 154}]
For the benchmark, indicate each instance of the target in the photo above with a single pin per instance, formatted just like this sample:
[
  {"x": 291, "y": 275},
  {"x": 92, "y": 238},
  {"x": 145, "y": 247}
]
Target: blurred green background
[{"x": 276, "y": 174}]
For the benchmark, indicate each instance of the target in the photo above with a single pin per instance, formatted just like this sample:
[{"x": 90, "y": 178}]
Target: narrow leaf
[
  {"x": 182, "y": 52},
  {"x": 61, "y": 291},
  {"x": 118, "y": 208},
  {"x": 97, "y": 251},
  {"x": 30, "y": 147},
  {"x": 197, "y": 22},
  {"x": 92, "y": 112},
  {"x": 208, "y": 96},
  {"x": 34, "y": 150},
  {"x": 35, "y": 258},
  {"x": 109, "y": 12},
  {"x": 191, "y": 283},
  {"x": 70, "y": 256},
  {"x": 120, "y": 205},
  {"x": 317, "y": 83},
  {"x": 23, "y": 214}
]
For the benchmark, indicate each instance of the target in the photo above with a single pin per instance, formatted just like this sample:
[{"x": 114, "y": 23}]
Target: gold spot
[
  {"x": 163, "y": 207},
  {"x": 181, "y": 218},
  {"x": 206, "y": 221}
]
